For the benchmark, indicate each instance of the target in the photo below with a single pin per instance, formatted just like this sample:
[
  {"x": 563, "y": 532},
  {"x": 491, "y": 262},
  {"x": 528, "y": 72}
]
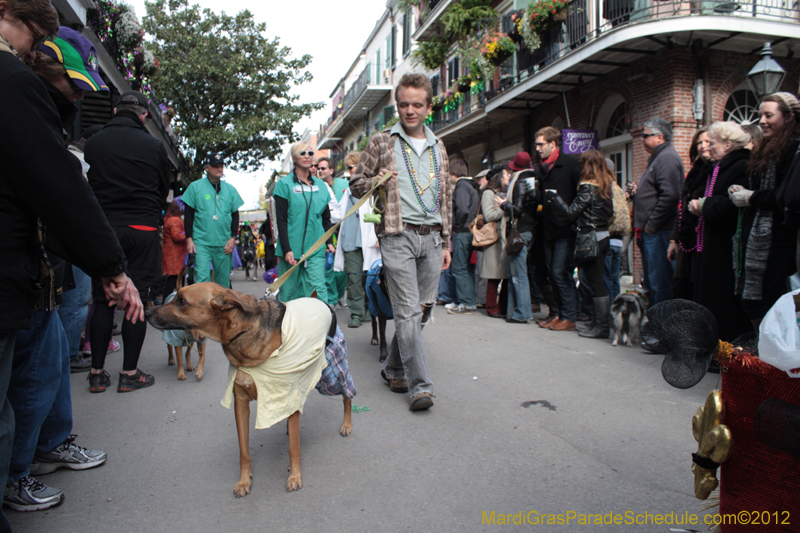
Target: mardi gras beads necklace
[{"x": 419, "y": 190}]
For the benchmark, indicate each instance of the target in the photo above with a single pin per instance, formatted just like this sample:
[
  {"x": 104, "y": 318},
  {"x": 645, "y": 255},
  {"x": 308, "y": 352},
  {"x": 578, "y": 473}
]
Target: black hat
[
  {"x": 214, "y": 158},
  {"x": 135, "y": 98},
  {"x": 687, "y": 334}
]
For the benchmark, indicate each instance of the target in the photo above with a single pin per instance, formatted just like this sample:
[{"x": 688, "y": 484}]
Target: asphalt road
[{"x": 525, "y": 421}]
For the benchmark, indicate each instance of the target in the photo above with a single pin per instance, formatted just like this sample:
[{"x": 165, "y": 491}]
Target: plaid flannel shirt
[{"x": 379, "y": 154}]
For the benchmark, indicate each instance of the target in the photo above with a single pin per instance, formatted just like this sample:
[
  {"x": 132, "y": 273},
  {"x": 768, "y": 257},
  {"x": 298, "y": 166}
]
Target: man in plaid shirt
[{"x": 414, "y": 232}]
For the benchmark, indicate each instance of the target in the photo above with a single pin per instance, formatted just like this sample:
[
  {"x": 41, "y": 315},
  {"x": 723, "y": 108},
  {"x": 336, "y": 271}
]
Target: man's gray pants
[{"x": 412, "y": 264}]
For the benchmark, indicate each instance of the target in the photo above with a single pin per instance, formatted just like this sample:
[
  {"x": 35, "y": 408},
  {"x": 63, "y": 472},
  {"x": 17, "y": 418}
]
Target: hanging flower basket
[
  {"x": 464, "y": 84},
  {"x": 538, "y": 18},
  {"x": 560, "y": 16},
  {"x": 497, "y": 48},
  {"x": 437, "y": 103}
]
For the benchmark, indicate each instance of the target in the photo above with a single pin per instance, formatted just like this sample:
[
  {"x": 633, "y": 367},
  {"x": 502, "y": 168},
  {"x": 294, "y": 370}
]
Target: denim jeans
[
  {"x": 74, "y": 309},
  {"x": 463, "y": 270},
  {"x": 658, "y": 268},
  {"x": 7, "y": 413},
  {"x": 412, "y": 264},
  {"x": 560, "y": 258},
  {"x": 447, "y": 287},
  {"x": 519, "y": 295},
  {"x": 39, "y": 391},
  {"x": 611, "y": 275}
]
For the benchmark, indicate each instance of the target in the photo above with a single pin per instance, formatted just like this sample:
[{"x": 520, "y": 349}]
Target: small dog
[
  {"x": 628, "y": 311},
  {"x": 250, "y": 261},
  {"x": 250, "y": 332},
  {"x": 380, "y": 306},
  {"x": 177, "y": 340}
]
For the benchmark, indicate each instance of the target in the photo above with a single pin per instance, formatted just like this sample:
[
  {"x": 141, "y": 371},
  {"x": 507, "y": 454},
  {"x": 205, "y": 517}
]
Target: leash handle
[{"x": 273, "y": 288}]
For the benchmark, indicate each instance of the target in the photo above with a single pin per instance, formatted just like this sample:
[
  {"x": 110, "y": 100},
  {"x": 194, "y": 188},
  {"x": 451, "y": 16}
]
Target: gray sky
[{"x": 332, "y": 32}]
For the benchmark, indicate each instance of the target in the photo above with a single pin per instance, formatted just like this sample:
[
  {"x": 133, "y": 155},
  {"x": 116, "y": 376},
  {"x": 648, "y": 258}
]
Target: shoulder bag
[
  {"x": 620, "y": 223},
  {"x": 514, "y": 243},
  {"x": 586, "y": 241},
  {"x": 483, "y": 233}
]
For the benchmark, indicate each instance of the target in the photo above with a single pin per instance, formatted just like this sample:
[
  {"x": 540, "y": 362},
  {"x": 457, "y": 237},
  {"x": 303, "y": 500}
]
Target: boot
[
  {"x": 602, "y": 319},
  {"x": 549, "y": 299}
]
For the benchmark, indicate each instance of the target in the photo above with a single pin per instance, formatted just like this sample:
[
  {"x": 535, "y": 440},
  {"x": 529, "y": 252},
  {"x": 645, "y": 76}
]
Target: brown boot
[
  {"x": 563, "y": 325},
  {"x": 547, "y": 322}
]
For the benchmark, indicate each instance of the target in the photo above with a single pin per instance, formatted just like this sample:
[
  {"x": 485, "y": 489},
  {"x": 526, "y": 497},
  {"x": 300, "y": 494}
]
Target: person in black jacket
[
  {"x": 129, "y": 174},
  {"x": 560, "y": 173},
  {"x": 591, "y": 209},
  {"x": 465, "y": 209},
  {"x": 39, "y": 178},
  {"x": 717, "y": 223},
  {"x": 521, "y": 209},
  {"x": 766, "y": 248}
]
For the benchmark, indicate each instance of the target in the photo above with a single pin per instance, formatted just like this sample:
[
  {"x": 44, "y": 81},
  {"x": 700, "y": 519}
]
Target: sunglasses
[
  {"x": 646, "y": 135},
  {"x": 351, "y": 167},
  {"x": 38, "y": 38},
  {"x": 304, "y": 152}
]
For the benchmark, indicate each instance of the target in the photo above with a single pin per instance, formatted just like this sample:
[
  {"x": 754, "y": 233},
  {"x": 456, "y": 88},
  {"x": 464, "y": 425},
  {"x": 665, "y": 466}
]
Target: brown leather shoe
[
  {"x": 421, "y": 401},
  {"x": 547, "y": 322},
  {"x": 563, "y": 325},
  {"x": 395, "y": 385}
]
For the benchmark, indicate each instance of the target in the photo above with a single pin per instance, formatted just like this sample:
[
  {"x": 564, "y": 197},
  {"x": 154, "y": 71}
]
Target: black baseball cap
[
  {"x": 214, "y": 158},
  {"x": 135, "y": 98}
]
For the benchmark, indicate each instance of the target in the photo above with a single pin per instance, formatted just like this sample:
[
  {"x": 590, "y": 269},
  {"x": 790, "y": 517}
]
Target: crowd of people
[{"x": 88, "y": 231}]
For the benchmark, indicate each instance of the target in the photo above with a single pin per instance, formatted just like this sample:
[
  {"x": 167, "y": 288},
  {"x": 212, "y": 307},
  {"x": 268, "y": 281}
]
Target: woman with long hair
[
  {"x": 494, "y": 265},
  {"x": 764, "y": 251},
  {"x": 683, "y": 240},
  {"x": 717, "y": 217},
  {"x": 302, "y": 216},
  {"x": 591, "y": 210},
  {"x": 173, "y": 247}
]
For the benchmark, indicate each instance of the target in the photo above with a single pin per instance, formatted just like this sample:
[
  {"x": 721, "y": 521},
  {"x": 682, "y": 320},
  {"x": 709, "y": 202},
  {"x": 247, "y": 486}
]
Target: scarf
[
  {"x": 759, "y": 242},
  {"x": 547, "y": 164}
]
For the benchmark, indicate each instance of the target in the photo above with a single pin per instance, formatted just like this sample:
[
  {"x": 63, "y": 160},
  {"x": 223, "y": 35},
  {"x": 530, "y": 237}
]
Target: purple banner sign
[{"x": 579, "y": 141}]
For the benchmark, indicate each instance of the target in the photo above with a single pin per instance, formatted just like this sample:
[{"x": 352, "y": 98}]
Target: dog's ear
[{"x": 227, "y": 300}]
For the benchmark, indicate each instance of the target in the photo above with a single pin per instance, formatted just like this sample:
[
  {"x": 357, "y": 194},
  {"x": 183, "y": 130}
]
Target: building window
[
  {"x": 378, "y": 77},
  {"x": 407, "y": 31},
  {"x": 742, "y": 107},
  {"x": 618, "y": 122},
  {"x": 389, "y": 50}
]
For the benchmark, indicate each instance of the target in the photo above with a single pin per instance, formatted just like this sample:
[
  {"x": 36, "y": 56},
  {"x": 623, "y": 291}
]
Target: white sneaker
[{"x": 451, "y": 305}]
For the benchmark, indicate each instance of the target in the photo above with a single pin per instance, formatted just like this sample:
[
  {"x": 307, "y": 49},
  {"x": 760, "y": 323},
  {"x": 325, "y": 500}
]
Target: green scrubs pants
[
  {"x": 335, "y": 283},
  {"x": 304, "y": 280},
  {"x": 206, "y": 255}
]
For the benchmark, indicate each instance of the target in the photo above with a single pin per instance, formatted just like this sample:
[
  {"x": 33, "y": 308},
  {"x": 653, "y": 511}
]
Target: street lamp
[{"x": 767, "y": 75}]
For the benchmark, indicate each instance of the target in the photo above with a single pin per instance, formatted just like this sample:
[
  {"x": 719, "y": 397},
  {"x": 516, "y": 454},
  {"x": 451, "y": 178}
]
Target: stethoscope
[{"x": 216, "y": 196}]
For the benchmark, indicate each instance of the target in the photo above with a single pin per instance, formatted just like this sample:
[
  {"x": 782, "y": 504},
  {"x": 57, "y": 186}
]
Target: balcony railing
[{"x": 588, "y": 20}]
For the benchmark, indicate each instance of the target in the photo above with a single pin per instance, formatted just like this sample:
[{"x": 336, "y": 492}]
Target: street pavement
[{"x": 525, "y": 421}]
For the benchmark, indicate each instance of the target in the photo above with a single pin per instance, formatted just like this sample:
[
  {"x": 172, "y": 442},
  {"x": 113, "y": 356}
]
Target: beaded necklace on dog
[
  {"x": 701, "y": 226},
  {"x": 419, "y": 190}
]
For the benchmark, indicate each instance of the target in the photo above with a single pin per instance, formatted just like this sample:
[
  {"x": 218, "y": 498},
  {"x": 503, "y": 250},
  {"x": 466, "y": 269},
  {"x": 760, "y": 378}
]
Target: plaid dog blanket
[{"x": 336, "y": 379}]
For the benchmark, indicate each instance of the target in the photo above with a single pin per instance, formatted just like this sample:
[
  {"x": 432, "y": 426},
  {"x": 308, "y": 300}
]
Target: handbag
[
  {"x": 586, "y": 242},
  {"x": 620, "y": 223},
  {"x": 515, "y": 242},
  {"x": 483, "y": 233}
]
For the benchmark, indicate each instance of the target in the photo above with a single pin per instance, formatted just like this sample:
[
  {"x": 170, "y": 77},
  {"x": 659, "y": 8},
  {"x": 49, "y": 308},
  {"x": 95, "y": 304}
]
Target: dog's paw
[
  {"x": 374, "y": 341},
  {"x": 171, "y": 361},
  {"x": 199, "y": 374},
  {"x": 346, "y": 430},
  {"x": 295, "y": 482},
  {"x": 181, "y": 376},
  {"x": 384, "y": 355},
  {"x": 189, "y": 367},
  {"x": 242, "y": 489},
  {"x": 616, "y": 341}
]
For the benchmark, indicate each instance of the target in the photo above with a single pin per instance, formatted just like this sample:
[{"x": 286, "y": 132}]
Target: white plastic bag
[{"x": 779, "y": 336}]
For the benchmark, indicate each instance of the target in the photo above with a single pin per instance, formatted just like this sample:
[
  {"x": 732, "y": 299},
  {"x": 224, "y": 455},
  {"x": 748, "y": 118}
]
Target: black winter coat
[
  {"x": 524, "y": 202},
  {"x": 790, "y": 194},
  {"x": 40, "y": 178},
  {"x": 715, "y": 284},
  {"x": 589, "y": 209},
  {"x": 465, "y": 204},
  {"x": 563, "y": 177},
  {"x": 129, "y": 171}
]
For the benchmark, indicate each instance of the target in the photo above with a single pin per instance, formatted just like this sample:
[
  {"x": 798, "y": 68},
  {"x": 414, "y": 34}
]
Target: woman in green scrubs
[{"x": 302, "y": 216}]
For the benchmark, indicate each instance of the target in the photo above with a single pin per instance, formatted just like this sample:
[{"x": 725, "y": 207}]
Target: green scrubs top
[
  {"x": 203, "y": 198},
  {"x": 339, "y": 186},
  {"x": 306, "y": 205}
]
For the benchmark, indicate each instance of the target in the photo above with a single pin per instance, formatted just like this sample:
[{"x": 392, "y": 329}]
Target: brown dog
[
  {"x": 177, "y": 340},
  {"x": 249, "y": 332}
]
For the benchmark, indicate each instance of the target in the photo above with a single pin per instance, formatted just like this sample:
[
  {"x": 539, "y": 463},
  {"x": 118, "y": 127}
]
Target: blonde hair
[
  {"x": 352, "y": 159},
  {"x": 298, "y": 147},
  {"x": 729, "y": 132}
]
